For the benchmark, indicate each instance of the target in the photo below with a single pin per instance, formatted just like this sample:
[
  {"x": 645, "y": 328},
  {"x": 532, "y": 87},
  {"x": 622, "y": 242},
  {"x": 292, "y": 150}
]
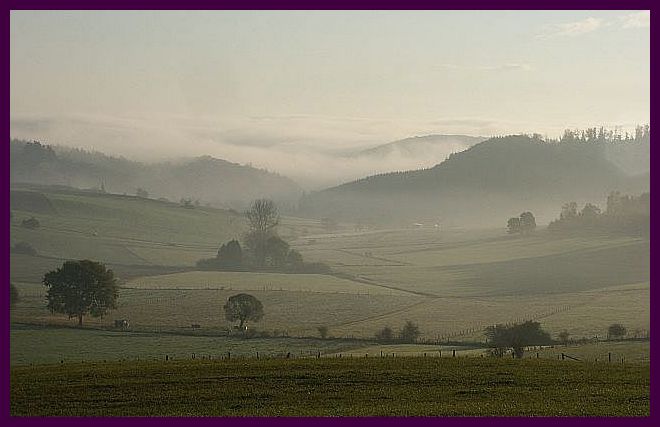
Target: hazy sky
[{"x": 231, "y": 83}]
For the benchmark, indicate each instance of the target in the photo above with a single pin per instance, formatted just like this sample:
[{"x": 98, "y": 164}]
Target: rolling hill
[
  {"x": 484, "y": 184},
  {"x": 207, "y": 179}
]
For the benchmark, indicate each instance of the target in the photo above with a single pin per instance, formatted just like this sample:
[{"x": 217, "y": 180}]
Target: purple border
[{"x": 287, "y": 5}]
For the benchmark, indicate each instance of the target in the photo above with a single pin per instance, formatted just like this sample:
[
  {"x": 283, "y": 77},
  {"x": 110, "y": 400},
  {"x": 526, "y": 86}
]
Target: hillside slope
[
  {"x": 483, "y": 184},
  {"x": 207, "y": 179}
]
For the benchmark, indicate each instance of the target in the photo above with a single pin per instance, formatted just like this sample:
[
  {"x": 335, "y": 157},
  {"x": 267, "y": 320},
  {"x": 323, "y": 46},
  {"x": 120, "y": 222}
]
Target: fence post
[
  {"x": 537, "y": 354},
  {"x": 228, "y": 355},
  {"x": 609, "y": 357},
  {"x": 453, "y": 353},
  {"x": 562, "y": 356}
]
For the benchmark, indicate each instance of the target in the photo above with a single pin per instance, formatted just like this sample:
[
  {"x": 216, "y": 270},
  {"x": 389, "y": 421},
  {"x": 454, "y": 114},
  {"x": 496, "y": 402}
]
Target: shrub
[
  {"x": 385, "y": 335},
  {"x": 616, "y": 330},
  {"x": 30, "y": 223},
  {"x": 24, "y": 248}
]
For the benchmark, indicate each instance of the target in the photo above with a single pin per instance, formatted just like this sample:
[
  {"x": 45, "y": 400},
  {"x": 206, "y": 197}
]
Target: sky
[{"x": 287, "y": 90}]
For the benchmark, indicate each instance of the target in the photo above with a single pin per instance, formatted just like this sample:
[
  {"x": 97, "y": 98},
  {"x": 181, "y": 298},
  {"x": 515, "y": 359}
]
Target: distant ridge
[
  {"x": 485, "y": 183},
  {"x": 206, "y": 179}
]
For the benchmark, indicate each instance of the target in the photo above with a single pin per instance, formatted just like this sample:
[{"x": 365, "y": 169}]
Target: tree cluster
[
  {"x": 616, "y": 331},
  {"x": 263, "y": 249},
  {"x": 601, "y": 135},
  {"x": 624, "y": 213},
  {"x": 523, "y": 224},
  {"x": 409, "y": 334}
]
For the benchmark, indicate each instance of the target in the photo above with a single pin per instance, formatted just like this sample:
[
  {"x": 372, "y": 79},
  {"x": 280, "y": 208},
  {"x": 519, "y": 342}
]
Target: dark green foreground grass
[{"x": 322, "y": 387}]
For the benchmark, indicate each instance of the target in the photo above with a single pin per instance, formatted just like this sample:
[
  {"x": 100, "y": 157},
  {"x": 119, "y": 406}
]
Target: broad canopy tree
[
  {"x": 516, "y": 337},
  {"x": 616, "y": 330},
  {"x": 243, "y": 307},
  {"x": 79, "y": 288}
]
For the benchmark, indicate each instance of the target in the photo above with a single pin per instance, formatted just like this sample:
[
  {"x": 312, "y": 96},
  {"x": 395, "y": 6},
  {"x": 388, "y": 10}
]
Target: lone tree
[
  {"x": 263, "y": 218},
  {"x": 564, "y": 337},
  {"x": 516, "y": 337},
  {"x": 616, "y": 330},
  {"x": 243, "y": 307},
  {"x": 81, "y": 287},
  {"x": 14, "y": 297},
  {"x": 323, "y": 331},
  {"x": 410, "y": 332}
]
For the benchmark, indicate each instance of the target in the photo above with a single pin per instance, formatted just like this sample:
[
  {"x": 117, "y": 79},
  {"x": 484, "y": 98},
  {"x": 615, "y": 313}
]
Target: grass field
[
  {"x": 452, "y": 283},
  {"x": 330, "y": 387},
  {"x": 610, "y": 352},
  {"x": 39, "y": 345},
  {"x": 298, "y": 313},
  {"x": 245, "y": 281}
]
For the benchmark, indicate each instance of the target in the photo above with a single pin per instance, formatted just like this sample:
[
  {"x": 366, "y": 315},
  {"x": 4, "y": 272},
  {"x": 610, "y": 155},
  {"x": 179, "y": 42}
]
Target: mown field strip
[{"x": 332, "y": 387}]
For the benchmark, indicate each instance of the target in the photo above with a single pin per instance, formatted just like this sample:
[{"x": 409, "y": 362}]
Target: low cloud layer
[{"x": 314, "y": 151}]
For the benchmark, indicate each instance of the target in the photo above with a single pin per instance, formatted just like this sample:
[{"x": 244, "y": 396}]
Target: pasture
[
  {"x": 246, "y": 281},
  {"x": 332, "y": 387},
  {"x": 50, "y": 345},
  {"x": 452, "y": 283}
]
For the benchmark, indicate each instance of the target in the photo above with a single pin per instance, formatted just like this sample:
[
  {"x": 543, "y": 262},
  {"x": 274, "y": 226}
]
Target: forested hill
[
  {"x": 204, "y": 179},
  {"x": 498, "y": 177}
]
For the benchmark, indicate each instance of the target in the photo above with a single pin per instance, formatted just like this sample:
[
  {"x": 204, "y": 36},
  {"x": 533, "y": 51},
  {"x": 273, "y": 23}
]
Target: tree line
[{"x": 623, "y": 213}]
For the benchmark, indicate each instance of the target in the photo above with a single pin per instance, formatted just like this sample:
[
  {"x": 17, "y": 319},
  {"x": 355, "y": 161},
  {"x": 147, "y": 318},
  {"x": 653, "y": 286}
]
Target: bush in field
[
  {"x": 385, "y": 335},
  {"x": 230, "y": 255},
  {"x": 30, "y": 223},
  {"x": 24, "y": 248},
  {"x": 409, "y": 333},
  {"x": 82, "y": 287},
  {"x": 563, "y": 337},
  {"x": 615, "y": 331},
  {"x": 323, "y": 332},
  {"x": 14, "y": 296},
  {"x": 516, "y": 337}
]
